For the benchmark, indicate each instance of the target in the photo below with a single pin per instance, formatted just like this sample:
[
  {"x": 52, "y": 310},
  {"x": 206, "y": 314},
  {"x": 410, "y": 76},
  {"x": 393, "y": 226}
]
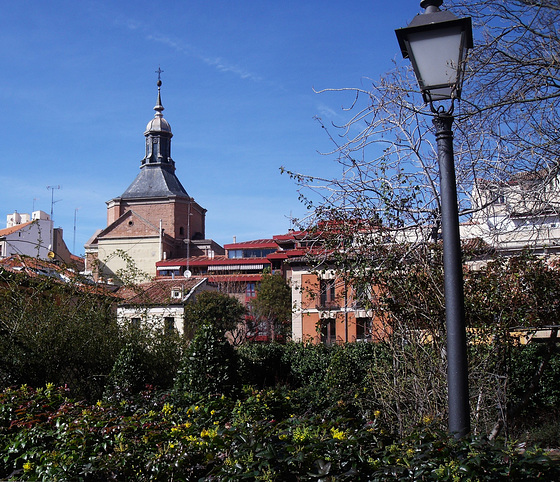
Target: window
[
  {"x": 363, "y": 329},
  {"x": 250, "y": 253},
  {"x": 176, "y": 293},
  {"x": 251, "y": 290},
  {"x": 362, "y": 296},
  {"x": 257, "y": 253},
  {"x": 327, "y": 295},
  {"x": 169, "y": 325},
  {"x": 181, "y": 231},
  {"x": 328, "y": 331}
]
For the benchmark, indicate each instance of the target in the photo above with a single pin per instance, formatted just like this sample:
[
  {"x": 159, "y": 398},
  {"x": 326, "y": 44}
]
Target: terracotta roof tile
[
  {"x": 257, "y": 243},
  {"x": 13, "y": 229},
  {"x": 158, "y": 292}
]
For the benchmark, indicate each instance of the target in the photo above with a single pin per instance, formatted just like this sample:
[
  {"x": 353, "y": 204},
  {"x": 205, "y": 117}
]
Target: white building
[
  {"x": 521, "y": 213},
  {"x": 27, "y": 235},
  {"x": 160, "y": 304}
]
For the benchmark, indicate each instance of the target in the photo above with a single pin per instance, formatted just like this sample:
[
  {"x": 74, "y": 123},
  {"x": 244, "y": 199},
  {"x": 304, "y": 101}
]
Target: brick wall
[{"x": 173, "y": 213}]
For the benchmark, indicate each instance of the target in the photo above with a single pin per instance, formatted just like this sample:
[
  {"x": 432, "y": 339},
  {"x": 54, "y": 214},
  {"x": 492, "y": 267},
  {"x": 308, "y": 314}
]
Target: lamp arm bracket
[{"x": 440, "y": 109}]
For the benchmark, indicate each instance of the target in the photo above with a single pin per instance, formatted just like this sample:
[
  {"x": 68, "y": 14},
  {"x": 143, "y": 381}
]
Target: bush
[
  {"x": 263, "y": 364},
  {"x": 46, "y": 435},
  {"x": 525, "y": 361},
  {"x": 209, "y": 366},
  {"x": 53, "y": 332},
  {"x": 129, "y": 374},
  {"x": 216, "y": 309}
]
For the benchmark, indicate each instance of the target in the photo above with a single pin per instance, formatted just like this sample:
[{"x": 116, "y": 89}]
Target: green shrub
[
  {"x": 208, "y": 367},
  {"x": 524, "y": 362},
  {"x": 213, "y": 308},
  {"x": 308, "y": 364},
  {"x": 129, "y": 374},
  {"x": 263, "y": 364},
  {"x": 54, "y": 332},
  {"x": 46, "y": 435}
]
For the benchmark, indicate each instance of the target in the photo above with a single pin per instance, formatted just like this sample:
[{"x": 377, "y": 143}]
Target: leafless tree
[
  {"x": 507, "y": 152},
  {"x": 506, "y": 128}
]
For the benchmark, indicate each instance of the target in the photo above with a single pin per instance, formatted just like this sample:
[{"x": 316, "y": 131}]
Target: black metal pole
[{"x": 457, "y": 370}]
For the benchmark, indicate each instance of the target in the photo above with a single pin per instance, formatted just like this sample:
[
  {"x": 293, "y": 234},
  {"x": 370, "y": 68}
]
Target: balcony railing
[{"x": 328, "y": 305}]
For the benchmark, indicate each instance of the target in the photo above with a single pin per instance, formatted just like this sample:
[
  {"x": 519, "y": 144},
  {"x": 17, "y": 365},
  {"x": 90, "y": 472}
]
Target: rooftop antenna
[
  {"x": 75, "y": 222},
  {"x": 52, "y": 189}
]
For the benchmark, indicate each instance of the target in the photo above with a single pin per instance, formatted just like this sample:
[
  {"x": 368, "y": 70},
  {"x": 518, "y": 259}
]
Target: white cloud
[
  {"x": 219, "y": 63},
  {"x": 326, "y": 112}
]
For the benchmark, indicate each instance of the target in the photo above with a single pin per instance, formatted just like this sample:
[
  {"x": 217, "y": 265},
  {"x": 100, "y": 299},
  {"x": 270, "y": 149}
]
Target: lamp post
[{"x": 436, "y": 43}]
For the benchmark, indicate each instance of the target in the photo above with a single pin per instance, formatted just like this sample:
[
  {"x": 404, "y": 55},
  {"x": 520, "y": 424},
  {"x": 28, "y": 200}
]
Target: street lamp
[{"x": 436, "y": 43}]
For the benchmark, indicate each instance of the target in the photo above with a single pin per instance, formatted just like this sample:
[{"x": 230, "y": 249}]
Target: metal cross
[{"x": 159, "y": 72}]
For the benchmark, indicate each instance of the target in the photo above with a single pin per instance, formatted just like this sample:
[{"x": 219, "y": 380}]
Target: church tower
[{"x": 154, "y": 218}]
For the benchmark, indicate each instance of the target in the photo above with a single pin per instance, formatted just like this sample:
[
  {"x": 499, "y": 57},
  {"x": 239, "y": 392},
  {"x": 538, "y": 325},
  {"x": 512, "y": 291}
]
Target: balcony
[{"x": 327, "y": 305}]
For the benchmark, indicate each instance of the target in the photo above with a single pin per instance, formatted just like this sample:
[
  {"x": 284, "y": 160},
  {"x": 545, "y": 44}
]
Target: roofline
[{"x": 209, "y": 261}]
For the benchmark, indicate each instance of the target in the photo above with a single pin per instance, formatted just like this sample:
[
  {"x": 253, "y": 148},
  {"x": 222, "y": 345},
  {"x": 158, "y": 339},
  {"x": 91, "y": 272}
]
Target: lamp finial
[{"x": 431, "y": 5}]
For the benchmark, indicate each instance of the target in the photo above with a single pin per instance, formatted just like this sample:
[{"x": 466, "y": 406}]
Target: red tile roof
[
  {"x": 206, "y": 261},
  {"x": 290, "y": 236},
  {"x": 35, "y": 267},
  {"x": 158, "y": 292},
  {"x": 257, "y": 243},
  {"x": 287, "y": 253},
  {"x": 13, "y": 229},
  {"x": 32, "y": 266}
]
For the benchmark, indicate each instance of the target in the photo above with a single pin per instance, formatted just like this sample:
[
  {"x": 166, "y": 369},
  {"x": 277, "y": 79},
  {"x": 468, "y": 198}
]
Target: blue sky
[{"x": 78, "y": 88}]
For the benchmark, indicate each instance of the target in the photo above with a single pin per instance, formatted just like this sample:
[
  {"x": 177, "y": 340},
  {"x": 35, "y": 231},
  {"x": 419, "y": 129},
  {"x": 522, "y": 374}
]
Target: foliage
[
  {"x": 520, "y": 291},
  {"x": 129, "y": 372},
  {"x": 150, "y": 351},
  {"x": 208, "y": 367},
  {"x": 64, "y": 333},
  {"x": 273, "y": 305},
  {"x": 45, "y": 435},
  {"x": 538, "y": 417},
  {"x": 214, "y": 309},
  {"x": 263, "y": 364},
  {"x": 150, "y": 360},
  {"x": 501, "y": 295}
]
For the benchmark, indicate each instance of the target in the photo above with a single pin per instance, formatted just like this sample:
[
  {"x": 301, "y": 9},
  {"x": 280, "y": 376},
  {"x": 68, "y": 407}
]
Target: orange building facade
[{"x": 328, "y": 310}]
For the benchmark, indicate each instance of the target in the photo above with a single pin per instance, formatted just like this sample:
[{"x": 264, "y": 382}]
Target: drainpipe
[{"x": 160, "y": 241}]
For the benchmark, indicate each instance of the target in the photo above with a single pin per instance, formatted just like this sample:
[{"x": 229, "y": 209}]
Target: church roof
[
  {"x": 154, "y": 181},
  {"x": 157, "y": 173}
]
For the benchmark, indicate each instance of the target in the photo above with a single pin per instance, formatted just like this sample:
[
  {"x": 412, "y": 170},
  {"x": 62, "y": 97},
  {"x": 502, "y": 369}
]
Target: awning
[{"x": 231, "y": 267}]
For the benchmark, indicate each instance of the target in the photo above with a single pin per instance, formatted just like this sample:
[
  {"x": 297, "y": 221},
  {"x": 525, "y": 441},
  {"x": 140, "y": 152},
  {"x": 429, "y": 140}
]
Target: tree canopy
[
  {"x": 506, "y": 125},
  {"x": 273, "y": 305},
  {"x": 211, "y": 308}
]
